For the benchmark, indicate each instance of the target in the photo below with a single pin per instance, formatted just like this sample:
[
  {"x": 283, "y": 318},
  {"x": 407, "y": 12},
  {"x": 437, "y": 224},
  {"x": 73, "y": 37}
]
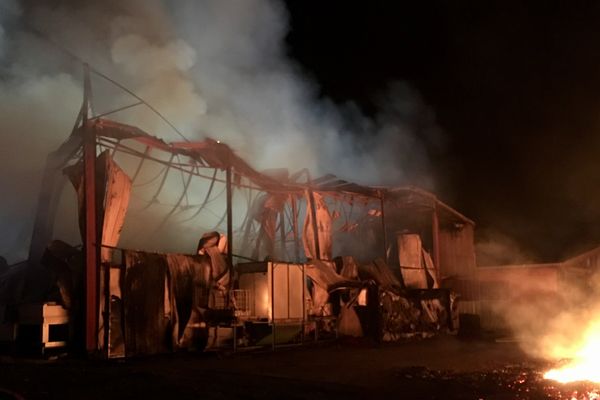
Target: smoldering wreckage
[
  {"x": 271, "y": 280},
  {"x": 309, "y": 259}
]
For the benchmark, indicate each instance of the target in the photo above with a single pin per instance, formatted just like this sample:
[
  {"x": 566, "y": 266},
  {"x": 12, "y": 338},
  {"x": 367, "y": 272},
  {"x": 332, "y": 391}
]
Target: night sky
[{"x": 514, "y": 86}]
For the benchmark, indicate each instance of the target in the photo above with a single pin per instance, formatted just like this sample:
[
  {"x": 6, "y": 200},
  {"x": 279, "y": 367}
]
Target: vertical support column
[
  {"x": 91, "y": 239},
  {"x": 313, "y": 215},
  {"x": 123, "y": 272},
  {"x": 271, "y": 267},
  {"x": 283, "y": 255},
  {"x": 287, "y": 271},
  {"x": 383, "y": 227},
  {"x": 295, "y": 228},
  {"x": 435, "y": 234},
  {"x": 107, "y": 310},
  {"x": 303, "y": 302},
  {"x": 229, "y": 189}
]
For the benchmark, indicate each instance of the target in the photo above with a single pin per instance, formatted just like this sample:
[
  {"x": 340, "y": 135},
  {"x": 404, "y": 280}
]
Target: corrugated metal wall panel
[{"x": 457, "y": 252}]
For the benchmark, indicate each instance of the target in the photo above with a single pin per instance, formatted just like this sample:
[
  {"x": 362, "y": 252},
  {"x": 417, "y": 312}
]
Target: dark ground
[{"x": 439, "y": 368}]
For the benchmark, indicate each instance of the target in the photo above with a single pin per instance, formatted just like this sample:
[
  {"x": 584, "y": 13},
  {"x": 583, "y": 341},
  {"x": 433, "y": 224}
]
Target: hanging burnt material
[
  {"x": 113, "y": 189},
  {"x": 416, "y": 265},
  {"x": 266, "y": 210},
  {"x": 317, "y": 228}
]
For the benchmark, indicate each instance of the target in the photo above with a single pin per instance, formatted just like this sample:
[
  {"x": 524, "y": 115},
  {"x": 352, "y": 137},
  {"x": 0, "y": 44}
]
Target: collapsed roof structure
[{"x": 285, "y": 218}]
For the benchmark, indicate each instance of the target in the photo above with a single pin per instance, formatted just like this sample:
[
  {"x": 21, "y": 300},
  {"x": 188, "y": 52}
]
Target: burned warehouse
[
  {"x": 303, "y": 200},
  {"x": 187, "y": 246}
]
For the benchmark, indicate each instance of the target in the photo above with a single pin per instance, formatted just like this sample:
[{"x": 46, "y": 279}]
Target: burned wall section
[{"x": 457, "y": 250}]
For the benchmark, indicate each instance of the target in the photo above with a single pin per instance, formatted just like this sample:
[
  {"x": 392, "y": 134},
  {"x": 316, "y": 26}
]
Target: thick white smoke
[{"x": 214, "y": 68}]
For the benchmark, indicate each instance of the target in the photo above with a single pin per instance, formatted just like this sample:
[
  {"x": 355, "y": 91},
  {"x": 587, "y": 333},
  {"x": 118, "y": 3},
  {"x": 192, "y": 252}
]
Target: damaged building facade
[{"x": 264, "y": 258}]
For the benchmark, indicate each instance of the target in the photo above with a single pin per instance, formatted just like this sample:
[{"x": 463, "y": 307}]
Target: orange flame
[{"x": 584, "y": 364}]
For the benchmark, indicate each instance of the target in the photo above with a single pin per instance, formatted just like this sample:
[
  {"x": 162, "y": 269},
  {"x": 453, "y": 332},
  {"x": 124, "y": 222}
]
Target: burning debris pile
[
  {"x": 519, "y": 381},
  {"x": 552, "y": 309},
  {"x": 583, "y": 354}
]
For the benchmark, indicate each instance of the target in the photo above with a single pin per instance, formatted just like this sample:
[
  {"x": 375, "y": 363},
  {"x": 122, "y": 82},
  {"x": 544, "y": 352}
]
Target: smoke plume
[
  {"x": 494, "y": 248},
  {"x": 214, "y": 68}
]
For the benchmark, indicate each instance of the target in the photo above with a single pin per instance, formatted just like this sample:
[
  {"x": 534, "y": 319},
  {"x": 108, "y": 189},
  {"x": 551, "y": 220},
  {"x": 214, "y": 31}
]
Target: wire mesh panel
[{"x": 241, "y": 302}]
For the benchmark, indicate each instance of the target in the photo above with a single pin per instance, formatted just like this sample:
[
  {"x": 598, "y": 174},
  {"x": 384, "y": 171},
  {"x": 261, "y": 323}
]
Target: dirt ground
[{"x": 438, "y": 368}]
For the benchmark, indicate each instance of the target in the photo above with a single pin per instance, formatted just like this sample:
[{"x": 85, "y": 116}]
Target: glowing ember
[{"x": 584, "y": 364}]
